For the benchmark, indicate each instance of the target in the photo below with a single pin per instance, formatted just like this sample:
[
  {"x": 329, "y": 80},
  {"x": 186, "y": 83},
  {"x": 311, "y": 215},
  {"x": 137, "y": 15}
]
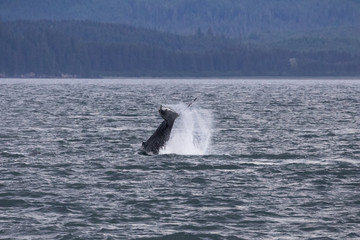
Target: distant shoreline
[{"x": 76, "y": 49}]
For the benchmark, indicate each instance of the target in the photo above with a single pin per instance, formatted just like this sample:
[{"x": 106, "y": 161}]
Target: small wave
[
  {"x": 11, "y": 155},
  {"x": 3, "y": 136},
  {"x": 257, "y": 156},
  {"x": 177, "y": 236},
  {"x": 60, "y": 208},
  {"x": 282, "y": 156},
  {"x": 202, "y": 167},
  {"x": 76, "y": 185},
  {"x": 12, "y": 203},
  {"x": 308, "y": 136}
]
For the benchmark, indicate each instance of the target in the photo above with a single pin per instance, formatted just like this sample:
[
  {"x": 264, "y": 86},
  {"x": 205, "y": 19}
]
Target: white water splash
[{"x": 191, "y": 134}]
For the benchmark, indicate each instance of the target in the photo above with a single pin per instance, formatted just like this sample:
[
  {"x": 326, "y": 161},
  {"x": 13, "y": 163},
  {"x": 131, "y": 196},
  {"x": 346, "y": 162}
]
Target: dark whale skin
[{"x": 162, "y": 134}]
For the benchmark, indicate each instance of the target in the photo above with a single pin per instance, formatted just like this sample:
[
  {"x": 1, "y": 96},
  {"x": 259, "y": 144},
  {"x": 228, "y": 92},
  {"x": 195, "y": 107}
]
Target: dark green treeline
[{"x": 88, "y": 49}]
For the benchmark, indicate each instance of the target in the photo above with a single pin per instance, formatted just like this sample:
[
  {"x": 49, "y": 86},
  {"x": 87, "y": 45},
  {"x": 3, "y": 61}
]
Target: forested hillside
[
  {"x": 281, "y": 23},
  {"x": 231, "y": 17},
  {"x": 88, "y": 49}
]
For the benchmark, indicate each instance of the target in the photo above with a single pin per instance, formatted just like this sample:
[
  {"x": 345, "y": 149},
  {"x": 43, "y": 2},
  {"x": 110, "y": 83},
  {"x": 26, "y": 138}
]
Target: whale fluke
[{"x": 162, "y": 134}]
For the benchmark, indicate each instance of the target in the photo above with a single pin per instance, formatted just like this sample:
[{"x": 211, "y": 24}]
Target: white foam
[{"x": 191, "y": 134}]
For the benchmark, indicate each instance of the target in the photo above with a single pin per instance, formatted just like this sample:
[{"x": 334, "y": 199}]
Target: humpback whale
[{"x": 162, "y": 134}]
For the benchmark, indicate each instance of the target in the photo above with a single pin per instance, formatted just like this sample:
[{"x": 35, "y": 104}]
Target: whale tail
[
  {"x": 168, "y": 114},
  {"x": 162, "y": 133}
]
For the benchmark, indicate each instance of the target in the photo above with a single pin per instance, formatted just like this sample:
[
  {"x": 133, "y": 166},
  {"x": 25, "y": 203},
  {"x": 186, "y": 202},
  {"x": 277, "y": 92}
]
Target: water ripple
[{"x": 283, "y": 161}]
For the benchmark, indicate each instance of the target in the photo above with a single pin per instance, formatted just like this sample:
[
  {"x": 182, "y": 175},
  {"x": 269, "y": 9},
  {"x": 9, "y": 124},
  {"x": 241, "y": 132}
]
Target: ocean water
[{"x": 250, "y": 159}]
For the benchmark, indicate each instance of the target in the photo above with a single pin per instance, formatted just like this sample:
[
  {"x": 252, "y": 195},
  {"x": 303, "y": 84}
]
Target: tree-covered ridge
[
  {"x": 229, "y": 17},
  {"x": 108, "y": 33},
  {"x": 87, "y": 49},
  {"x": 304, "y": 25}
]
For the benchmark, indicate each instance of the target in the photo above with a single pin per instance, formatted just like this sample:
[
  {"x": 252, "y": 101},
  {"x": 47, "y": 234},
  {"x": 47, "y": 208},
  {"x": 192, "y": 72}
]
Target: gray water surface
[{"x": 283, "y": 162}]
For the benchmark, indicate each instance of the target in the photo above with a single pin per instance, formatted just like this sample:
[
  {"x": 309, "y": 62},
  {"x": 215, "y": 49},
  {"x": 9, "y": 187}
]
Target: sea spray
[{"x": 192, "y": 131}]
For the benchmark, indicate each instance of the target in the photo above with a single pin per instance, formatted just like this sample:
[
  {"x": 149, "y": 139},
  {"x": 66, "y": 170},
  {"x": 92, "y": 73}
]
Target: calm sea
[{"x": 250, "y": 159}]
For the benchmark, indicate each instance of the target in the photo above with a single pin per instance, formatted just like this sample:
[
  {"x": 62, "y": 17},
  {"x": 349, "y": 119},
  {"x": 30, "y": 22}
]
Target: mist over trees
[{"x": 89, "y": 49}]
